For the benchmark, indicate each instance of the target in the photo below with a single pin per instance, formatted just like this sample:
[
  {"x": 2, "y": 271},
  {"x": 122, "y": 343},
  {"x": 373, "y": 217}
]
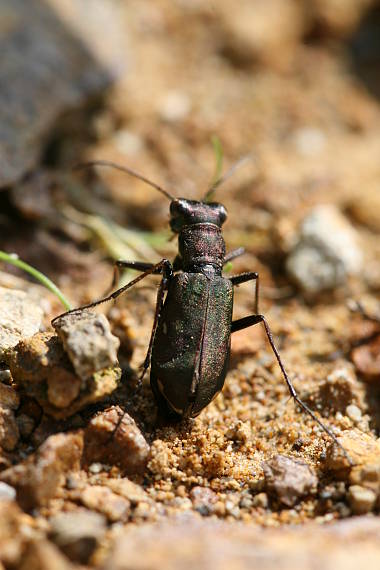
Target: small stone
[
  {"x": 38, "y": 478},
  {"x": 367, "y": 476},
  {"x": 360, "y": 447},
  {"x": 354, "y": 413},
  {"x": 7, "y": 493},
  {"x": 129, "y": 490},
  {"x": 20, "y": 317},
  {"x": 112, "y": 437},
  {"x": 203, "y": 499},
  {"x": 102, "y": 499},
  {"x": 367, "y": 359},
  {"x": 361, "y": 500},
  {"x": 260, "y": 500},
  {"x": 326, "y": 252},
  {"x": 88, "y": 341},
  {"x": 175, "y": 106},
  {"x": 77, "y": 533},
  {"x": 289, "y": 479},
  {"x": 42, "y": 370}
]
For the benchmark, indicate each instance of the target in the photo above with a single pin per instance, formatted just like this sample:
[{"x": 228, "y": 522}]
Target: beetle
[{"x": 189, "y": 346}]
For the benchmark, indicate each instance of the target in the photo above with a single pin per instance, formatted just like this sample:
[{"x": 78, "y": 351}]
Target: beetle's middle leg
[
  {"x": 166, "y": 275},
  {"x": 243, "y": 278},
  {"x": 251, "y": 320}
]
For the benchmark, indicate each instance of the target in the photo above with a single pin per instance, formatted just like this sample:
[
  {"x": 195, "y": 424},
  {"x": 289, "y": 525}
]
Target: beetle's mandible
[{"x": 189, "y": 346}]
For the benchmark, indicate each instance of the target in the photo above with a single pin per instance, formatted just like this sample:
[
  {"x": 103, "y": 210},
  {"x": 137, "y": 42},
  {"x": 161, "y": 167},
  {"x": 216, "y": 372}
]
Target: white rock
[
  {"x": 20, "y": 317},
  {"x": 326, "y": 252}
]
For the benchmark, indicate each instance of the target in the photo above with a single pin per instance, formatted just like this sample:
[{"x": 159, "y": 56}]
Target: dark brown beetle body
[
  {"x": 191, "y": 347},
  {"x": 192, "y": 343}
]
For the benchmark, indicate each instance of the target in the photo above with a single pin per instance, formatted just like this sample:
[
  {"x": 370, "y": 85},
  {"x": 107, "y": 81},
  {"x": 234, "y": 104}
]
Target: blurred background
[{"x": 294, "y": 83}]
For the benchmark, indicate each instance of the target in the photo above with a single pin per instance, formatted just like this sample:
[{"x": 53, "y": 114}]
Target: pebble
[
  {"x": 367, "y": 359},
  {"x": 7, "y": 493},
  {"x": 289, "y": 479},
  {"x": 361, "y": 500},
  {"x": 326, "y": 251},
  {"x": 20, "y": 317},
  {"x": 41, "y": 368},
  {"x": 102, "y": 499},
  {"x": 112, "y": 437},
  {"x": 77, "y": 533},
  {"x": 354, "y": 413},
  {"x": 38, "y": 478},
  {"x": 175, "y": 106},
  {"x": 88, "y": 341}
]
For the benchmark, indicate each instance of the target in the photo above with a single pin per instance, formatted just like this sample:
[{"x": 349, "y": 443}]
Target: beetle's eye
[
  {"x": 222, "y": 214},
  {"x": 175, "y": 208},
  {"x": 179, "y": 207}
]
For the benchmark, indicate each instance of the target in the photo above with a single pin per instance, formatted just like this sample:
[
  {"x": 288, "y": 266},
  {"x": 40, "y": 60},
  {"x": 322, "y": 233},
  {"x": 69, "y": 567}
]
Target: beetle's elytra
[{"x": 189, "y": 346}]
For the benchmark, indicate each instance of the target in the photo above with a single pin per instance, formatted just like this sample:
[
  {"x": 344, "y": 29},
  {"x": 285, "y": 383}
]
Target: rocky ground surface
[{"x": 90, "y": 475}]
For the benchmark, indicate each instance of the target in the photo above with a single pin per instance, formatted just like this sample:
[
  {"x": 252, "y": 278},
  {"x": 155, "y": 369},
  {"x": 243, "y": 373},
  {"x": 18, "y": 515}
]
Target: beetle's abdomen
[{"x": 191, "y": 347}]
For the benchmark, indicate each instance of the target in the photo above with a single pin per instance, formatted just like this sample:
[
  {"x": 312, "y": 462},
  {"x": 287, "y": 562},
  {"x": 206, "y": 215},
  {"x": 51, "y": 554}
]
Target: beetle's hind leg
[{"x": 251, "y": 320}]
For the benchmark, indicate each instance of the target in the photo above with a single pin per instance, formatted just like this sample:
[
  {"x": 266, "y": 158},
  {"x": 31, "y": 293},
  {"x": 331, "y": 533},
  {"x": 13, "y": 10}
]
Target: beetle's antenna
[
  {"x": 226, "y": 176},
  {"x": 125, "y": 169}
]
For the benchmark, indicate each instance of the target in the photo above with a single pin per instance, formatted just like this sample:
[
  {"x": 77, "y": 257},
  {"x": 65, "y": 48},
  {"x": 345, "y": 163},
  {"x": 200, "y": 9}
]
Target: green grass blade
[
  {"x": 218, "y": 152},
  {"x": 14, "y": 260}
]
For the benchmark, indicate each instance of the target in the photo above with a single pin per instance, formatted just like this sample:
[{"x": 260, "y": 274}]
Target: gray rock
[
  {"x": 19, "y": 317},
  {"x": 50, "y": 64},
  {"x": 88, "y": 341},
  {"x": 289, "y": 479},
  {"x": 326, "y": 251}
]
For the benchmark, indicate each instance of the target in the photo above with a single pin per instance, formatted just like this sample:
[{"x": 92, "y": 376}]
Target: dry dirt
[{"x": 252, "y": 481}]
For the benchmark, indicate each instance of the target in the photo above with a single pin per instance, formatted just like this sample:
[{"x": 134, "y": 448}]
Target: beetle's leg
[
  {"x": 251, "y": 320},
  {"x": 243, "y": 278},
  {"x": 162, "y": 266},
  {"x": 233, "y": 254},
  {"x": 167, "y": 274},
  {"x": 138, "y": 265}
]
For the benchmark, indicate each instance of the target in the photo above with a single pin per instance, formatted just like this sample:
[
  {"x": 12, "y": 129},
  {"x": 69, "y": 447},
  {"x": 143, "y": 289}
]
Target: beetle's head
[{"x": 189, "y": 212}]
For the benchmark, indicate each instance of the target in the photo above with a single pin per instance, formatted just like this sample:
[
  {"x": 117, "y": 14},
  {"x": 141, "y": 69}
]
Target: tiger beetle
[{"x": 189, "y": 346}]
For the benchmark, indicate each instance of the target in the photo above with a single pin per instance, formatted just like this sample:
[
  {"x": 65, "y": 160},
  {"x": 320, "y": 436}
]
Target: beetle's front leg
[
  {"x": 243, "y": 278},
  {"x": 121, "y": 263},
  {"x": 167, "y": 271},
  {"x": 163, "y": 266}
]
